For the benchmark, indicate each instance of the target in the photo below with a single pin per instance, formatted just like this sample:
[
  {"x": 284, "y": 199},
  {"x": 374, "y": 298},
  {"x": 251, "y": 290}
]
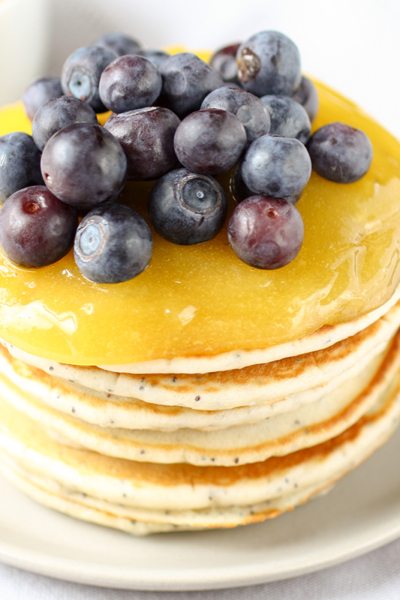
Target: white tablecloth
[{"x": 375, "y": 576}]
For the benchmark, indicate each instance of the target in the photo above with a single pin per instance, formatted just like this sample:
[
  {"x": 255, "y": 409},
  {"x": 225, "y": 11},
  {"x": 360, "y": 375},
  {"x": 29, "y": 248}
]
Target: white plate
[{"x": 361, "y": 513}]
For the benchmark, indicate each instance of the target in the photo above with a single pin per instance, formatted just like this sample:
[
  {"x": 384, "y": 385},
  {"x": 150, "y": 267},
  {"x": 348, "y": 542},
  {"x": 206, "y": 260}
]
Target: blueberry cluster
[{"x": 180, "y": 121}]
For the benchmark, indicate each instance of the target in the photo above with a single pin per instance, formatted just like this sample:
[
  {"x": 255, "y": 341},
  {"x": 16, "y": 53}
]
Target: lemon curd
[{"x": 202, "y": 300}]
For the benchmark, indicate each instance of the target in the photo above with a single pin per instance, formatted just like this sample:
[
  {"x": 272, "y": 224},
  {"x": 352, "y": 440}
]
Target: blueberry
[
  {"x": 119, "y": 43},
  {"x": 223, "y": 61},
  {"x": 187, "y": 208},
  {"x": 38, "y": 92},
  {"x": 210, "y": 141},
  {"x": 19, "y": 163},
  {"x": 288, "y": 117},
  {"x": 240, "y": 191},
  {"x": 266, "y": 233},
  {"x": 237, "y": 186},
  {"x": 84, "y": 165},
  {"x": 81, "y": 74},
  {"x": 147, "y": 138},
  {"x": 129, "y": 82},
  {"x": 340, "y": 153},
  {"x": 36, "y": 229},
  {"x": 57, "y": 113},
  {"x": 248, "y": 108},
  {"x": 113, "y": 243},
  {"x": 269, "y": 63},
  {"x": 307, "y": 96},
  {"x": 156, "y": 56},
  {"x": 234, "y": 86},
  {"x": 186, "y": 82},
  {"x": 276, "y": 166}
]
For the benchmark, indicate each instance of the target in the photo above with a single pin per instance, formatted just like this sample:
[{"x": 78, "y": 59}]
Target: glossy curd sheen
[{"x": 202, "y": 300}]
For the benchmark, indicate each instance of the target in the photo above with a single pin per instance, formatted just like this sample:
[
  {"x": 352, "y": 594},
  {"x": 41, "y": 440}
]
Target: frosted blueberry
[
  {"x": 276, "y": 166},
  {"x": 113, "y": 243},
  {"x": 57, "y": 113},
  {"x": 210, "y": 141},
  {"x": 84, "y": 165},
  {"x": 81, "y": 74},
  {"x": 187, "y": 208},
  {"x": 288, "y": 117},
  {"x": 266, "y": 233},
  {"x": 340, "y": 153},
  {"x": 186, "y": 82},
  {"x": 245, "y": 106},
  {"x": 269, "y": 63},
  {"x": 19, "y": 163},
  {"x": 38, "y": 92}
]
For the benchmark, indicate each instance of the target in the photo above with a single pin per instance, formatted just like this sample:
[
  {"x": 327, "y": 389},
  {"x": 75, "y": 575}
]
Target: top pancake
[
  {"x": 258, "y": 384},
  {"x": 201, "y": 300}
]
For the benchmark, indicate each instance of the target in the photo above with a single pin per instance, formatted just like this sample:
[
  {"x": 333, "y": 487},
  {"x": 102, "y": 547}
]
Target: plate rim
[
  {"x": 190, "y": 579},
  {"x": 76, "y": 572}
]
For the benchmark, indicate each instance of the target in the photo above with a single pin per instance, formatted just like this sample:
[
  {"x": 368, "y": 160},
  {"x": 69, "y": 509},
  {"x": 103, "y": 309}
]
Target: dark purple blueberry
[
  {"x": 307, "y": 96},
  {"x": 224, "y": 62},
  {"x": 240, "y": 191},
  {"x": 147, "y": 138},
  {"x": 84, "y": 165},
  {"x": 81, "y": 74},
  {"x": 186, "y": 208},
  {"x": 266, "y": 233},
  {"x": 36, "y": 228},
  {"x": 269, "y": 63},
  {"x": 186, "y": 82},
  {"x": 237, "y": 186},
  {"x": 276, "y": 166},
  {"x": 57, "y": 113},
  {"x": 340, "y": 153},
  {"x": 288, "y": 117},
  {"x": 119, "y": 43},
  {"x": 248, "y": 108},
  {"x": 19, "y": 163},
  {"x": 210, "y": 141},
  {"x": 156, "y": 56},
  {"x": 113, "y": 243},
  {"x": 128, "y": 83},
  {"x": 39, "y": 91}
]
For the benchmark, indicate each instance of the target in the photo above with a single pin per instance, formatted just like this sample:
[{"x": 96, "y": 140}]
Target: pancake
[
  {"x": 201, "y": 301},
  {"x": 326, "y": 336},
  {"x": 111, "y": 411},
  {"x": 318, "y": 340},
  {"x": 97, "y": 511},
  {"x": 240, "y": 387},
  {"x": 189, "y": 495},
  {"x": 279, "y": 435}
]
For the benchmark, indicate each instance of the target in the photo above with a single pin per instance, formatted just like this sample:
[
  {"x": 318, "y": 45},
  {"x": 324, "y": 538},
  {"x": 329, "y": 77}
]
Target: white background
[{"x": 353, "y": 45}]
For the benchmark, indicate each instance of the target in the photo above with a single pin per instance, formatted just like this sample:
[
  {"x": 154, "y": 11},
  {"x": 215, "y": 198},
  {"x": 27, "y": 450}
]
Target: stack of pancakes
[
  {"x": 215, "y": 423},
  {"x": 147, "y": 451}
]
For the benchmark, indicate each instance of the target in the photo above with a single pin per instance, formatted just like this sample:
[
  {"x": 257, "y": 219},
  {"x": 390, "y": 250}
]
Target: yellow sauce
[{"x": 202, "y": 300}]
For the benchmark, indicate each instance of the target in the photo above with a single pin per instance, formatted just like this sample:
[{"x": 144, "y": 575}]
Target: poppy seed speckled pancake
[
  {"x": 241, "y": 387},
  {"x": 310, "y": 425},
  {"x": 141, "y": 522},
  {"x": 187, "y": 495},
  {"x": 321, "y": 338},
  {"x": 326, "y": 336},
  {"x": 111, "y": 411}
]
